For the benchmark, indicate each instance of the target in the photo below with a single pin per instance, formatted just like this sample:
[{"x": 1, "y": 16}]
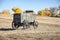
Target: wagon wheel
[
  {"x": 14, "y": 26},
  {"x": 35, "y": 24},
  {"x": 25, "y": 24}
]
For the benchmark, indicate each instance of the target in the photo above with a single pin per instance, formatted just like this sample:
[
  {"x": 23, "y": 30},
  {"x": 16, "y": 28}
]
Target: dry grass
[{"x": 48, "y": 29}]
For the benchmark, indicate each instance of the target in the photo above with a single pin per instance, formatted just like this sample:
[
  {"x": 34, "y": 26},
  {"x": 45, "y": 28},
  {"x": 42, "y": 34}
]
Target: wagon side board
[{"x": 28, "y": 17}]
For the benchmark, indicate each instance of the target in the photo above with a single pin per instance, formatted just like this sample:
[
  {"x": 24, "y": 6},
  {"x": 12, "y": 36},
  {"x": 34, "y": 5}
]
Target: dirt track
[{"x": 48, "y": 29}]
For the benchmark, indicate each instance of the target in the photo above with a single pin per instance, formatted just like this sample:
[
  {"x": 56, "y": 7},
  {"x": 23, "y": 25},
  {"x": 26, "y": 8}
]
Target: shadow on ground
[{"x": 6, "y": 29}]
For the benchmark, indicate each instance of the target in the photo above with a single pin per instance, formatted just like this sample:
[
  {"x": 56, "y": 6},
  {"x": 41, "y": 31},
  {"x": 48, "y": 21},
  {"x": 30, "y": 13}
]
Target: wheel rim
[
  {"x": 13, "y": 26},
  {"x": 35, "y": 24},
  {"x": 26, "y": 24}
]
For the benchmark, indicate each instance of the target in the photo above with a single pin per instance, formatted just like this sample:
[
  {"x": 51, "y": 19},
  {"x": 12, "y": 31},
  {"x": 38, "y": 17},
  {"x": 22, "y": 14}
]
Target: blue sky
[{"x": 28, "y": 4}]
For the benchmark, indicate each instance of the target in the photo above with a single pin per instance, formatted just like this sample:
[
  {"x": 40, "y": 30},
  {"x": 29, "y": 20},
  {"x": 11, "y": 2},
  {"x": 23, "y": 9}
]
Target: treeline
[{"x": 53, "y": 11}]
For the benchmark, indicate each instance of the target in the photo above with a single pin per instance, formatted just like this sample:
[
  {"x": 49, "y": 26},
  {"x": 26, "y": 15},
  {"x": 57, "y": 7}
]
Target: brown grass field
[{"x": 48, "y": 29}]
